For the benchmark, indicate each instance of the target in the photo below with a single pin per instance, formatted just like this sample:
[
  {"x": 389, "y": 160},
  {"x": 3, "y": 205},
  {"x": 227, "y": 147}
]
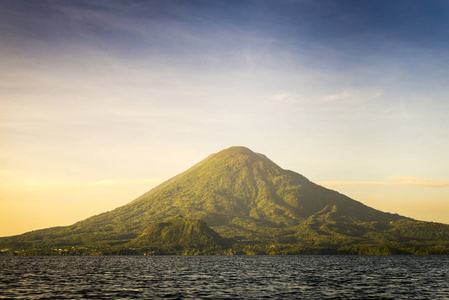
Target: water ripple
[{"x": 225, "y": 277}]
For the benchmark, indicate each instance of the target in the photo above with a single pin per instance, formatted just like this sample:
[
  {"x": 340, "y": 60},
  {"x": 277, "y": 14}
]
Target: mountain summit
[{"x": 249, "y": 201}]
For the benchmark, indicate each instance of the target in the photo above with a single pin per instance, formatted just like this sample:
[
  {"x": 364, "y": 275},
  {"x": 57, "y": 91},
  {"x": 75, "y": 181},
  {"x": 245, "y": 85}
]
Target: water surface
[{"x": 225, "y": 277}]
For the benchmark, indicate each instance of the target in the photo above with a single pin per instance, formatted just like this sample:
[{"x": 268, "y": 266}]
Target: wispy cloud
[
  {"x": 353, "y": 95},
  {"x": 288, "y": 98},
  {"x": 339, "y": 96},
  {"x": 10, "y": 179},
  {"x": 126, "y": 181},
  {"x": 392, "y": 181}
]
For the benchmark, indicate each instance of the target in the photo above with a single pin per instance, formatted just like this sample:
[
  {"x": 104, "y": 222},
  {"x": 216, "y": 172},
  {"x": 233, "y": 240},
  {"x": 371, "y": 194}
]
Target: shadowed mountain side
[{"x": 245, "y": 197}]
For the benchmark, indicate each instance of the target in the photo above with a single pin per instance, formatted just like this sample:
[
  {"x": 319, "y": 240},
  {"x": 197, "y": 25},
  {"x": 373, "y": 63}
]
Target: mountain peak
[
  {"x": 238, "y": 150},
  {"x": 243, "y": 155}
]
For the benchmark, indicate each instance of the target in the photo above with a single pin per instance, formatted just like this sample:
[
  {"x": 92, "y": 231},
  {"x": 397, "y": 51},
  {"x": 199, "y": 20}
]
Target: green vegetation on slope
[
  {"x": 248, "y": 199},
  {"x": 179, "y": 235}
]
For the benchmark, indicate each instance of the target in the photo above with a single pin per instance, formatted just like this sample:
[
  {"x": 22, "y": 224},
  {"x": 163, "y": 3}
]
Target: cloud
[
  {"x": 284, "y": 98},
  {"x": 288, "y": 98},
  {"x": 126, "y": 181},
  {"x": 10, "y": 179},
  {"x": 354, "y": 94},
  {"x": 340, "y": 96},
  {"x": 393, "y": 181}
]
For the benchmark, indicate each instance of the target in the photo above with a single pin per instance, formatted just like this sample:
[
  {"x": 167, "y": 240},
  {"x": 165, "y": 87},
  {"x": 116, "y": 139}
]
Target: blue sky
[{"x": 102, "y": 100}]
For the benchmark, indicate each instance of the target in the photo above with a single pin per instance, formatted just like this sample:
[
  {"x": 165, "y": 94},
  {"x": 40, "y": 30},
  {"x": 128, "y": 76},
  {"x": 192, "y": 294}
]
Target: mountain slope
[{"x": 245, "y": 197}]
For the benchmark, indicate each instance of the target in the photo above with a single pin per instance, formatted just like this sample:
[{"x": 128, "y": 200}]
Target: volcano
[{"x": 239, "y": 201}]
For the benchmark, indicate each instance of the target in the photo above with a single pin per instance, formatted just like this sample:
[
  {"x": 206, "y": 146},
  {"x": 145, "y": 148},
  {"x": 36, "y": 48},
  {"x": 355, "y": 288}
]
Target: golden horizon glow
[{"x": 394, "y": 181}]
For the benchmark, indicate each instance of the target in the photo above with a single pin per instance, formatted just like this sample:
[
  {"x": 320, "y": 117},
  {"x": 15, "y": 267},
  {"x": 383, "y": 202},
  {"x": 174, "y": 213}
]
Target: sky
[{"x": 101, "y": 101}]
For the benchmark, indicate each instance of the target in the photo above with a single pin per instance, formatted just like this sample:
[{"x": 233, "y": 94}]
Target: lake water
[{"x": 221, "y": 277}]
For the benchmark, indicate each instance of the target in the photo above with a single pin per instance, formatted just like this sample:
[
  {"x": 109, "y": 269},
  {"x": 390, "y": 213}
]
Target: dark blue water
[{"x": 178, "y": 277}]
